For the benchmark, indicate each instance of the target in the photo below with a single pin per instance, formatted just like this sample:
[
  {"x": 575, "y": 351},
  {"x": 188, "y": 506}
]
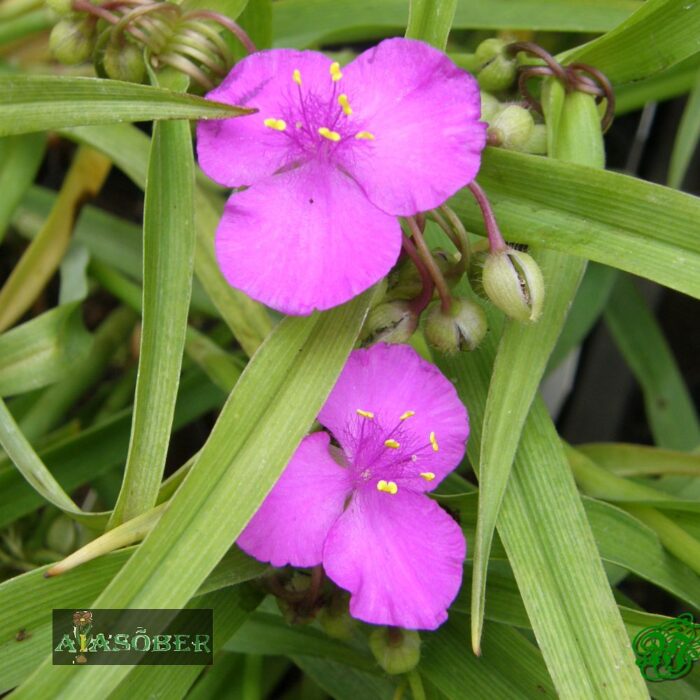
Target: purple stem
[
  {"x": 426, "y": 294},
  {"x": 429, "y": 262},
  {"x": 496, "y": 242}
]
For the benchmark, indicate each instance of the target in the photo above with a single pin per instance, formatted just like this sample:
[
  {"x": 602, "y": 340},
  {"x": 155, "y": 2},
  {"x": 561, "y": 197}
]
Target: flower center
[
  {"x": 380, "y": 457},
  {"x": 317, "y": 126}
]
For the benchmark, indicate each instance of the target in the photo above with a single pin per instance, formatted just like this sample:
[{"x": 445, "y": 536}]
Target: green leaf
[
  {"x": 35, "y": 472},
  {"x": 431, "y": 21},
  {"x": 511, "y": 666},
  {"x": 344, "y": 683},
  {"x": 658, "y": 35},
  {"x": 641, "y": 460},
  {"x": 27, "y": 602},
  {"x": 524, "y": 350},
  {"x": 20, "y": 158},
  {"x": 669, "y": 406},
  {"x": 296, "y": 22},
  {"x": 43, "y": 350},
  {"x": 687, "y": 138},
  {"x": 267, "y": 414},
  {"x": 246, "y": 318},
  {"x": 586, "y": 309},
  {"x": 550, "y": 546},
  {"x": 38, "y": 102},
  {"x": 645, "y": 229},
  {"x": 77, "y": 459},
  {"x": 43, "y": 256},
  {"x": 168, "y": 260}
]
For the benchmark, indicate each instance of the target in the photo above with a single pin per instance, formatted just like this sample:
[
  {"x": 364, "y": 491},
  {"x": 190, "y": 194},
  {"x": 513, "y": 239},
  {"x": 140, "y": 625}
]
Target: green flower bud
[
  {"x": 405, "y": 281},
  {"x": 513, "y": 282},
  {"x": 396, "y": 650},
  {"x": 462, "y": 328},
  {"x": 72, "y": 40},
  {"x": 391, "y": 322},
  {"x": 512, "y": 127},
  {"x": 335, "y": 618},
  {"x": 124, "y": 62},
  {"x": 537, "y": 143},
  {"x": 488, "y": 49},
  {"x": 476, "y": 271},
  {"x": 498, "y": 69},
  {"x": 60, "y": 7},
  {"x": 490, "y": 106}
]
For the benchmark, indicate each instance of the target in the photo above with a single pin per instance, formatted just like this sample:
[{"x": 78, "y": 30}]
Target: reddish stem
[
  {"x": 496, "y": 242},
  {"x": 429, "y": 262},
  {"x": 229, "y": 24},
  {"x": 426, "y": 294}
]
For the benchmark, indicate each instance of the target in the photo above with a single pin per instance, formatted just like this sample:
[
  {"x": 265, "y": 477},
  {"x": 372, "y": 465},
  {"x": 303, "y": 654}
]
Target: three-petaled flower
[
  {"x": 330, "y": 160},
  {"x": 361, "y": 509}
]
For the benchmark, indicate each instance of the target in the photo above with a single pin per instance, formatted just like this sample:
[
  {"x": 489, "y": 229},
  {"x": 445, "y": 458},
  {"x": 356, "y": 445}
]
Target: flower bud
[
  {"x": 462, "y": 328},
  {"x": 512, "y": 127},
  {"x": 537, "y": 143},
  {"x": 124, "y": 62},
  {"x": 396, "y": 650},
  {"x": 490, "y": 106},
  {"x": 335, "y": 618},
  {"x": 391, "y": 322},
  {"x": 72, "y": 40},
  {"x": 61, "y": 7},
  {"x": 513, "y": 282},
  {"x": 498, "y": 69},
  {"x": 476, "y": 272},
  {"x": 405, "y": 281}
]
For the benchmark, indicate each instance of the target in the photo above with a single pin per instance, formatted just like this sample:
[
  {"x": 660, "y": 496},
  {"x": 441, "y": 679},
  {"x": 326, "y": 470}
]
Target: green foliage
[{"x": 126, "y": 356}]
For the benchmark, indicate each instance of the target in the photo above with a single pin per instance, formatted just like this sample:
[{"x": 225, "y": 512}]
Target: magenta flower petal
[
  {"x": 291, "y": 525},
  {"x": 400, "y": 556},
  {"x": 389, "y": 382},
  {"x": 240, "y": 151},
  {"x": 268, "y": 241},
  {"x": 423, "y": 112}
]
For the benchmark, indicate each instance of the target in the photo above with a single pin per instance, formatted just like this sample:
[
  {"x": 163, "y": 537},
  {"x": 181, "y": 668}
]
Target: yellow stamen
[
  {"x": 276, "y": 124},
  {"x": 387, "y": 486},
  {"x": 343, "y": 102},
  {"x": 428, "y": 476},
  {"x": 365, "y": 135},
  {"x": 336, "y": 75},
  {"x": 328, "y": 134},
  {"x": 407, "y": 415},
  {"x": 364, "y": 414},
  {"x": 392, "y": 443},
  {"x": 296, "y": 76},
  {"x": 433, "y": 442}
]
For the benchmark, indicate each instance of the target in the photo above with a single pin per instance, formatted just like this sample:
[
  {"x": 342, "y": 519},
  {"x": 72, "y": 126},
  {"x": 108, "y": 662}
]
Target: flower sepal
[
  {"x": 396, "y": 650},
  {"x": 390, "y": 322},
  {"x": 498, "y": 69},
  {"x": 462, "y": 328},
  {"x": 513, "y": 282}
]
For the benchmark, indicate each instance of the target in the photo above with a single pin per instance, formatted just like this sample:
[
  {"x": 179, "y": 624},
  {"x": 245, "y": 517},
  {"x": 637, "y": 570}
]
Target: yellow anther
[
  {"x": 328, "y": 134},
  {"x": 296, "y": 76},
  {"x": 365, "y": 135},
  {"x": 336, "y": 75},
  {"x": 407, "y": 415},
  {"x": 364, "y": 414},
  {"x": 343, "y": 102},
  {"x": 433, "y": 442},
  {"x": 387, "y": 486},
  {"x": 276, "y": 124},
  {"x": 428, "y": 476},
  {"x": 392, "y": 443}
]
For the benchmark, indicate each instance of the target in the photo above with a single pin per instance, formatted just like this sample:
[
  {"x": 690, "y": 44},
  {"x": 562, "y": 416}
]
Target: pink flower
[
  {"x": 332, "y": 157},
  {"x": 361, "y": 509}
]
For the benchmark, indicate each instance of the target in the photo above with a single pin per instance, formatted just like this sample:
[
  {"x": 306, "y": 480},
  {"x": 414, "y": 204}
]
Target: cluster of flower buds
[
  {"x": 421, "y": 286},
  {"x": 122, "y": 36}
]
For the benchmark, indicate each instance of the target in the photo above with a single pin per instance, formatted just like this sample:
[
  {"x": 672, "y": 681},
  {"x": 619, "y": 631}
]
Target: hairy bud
[
  {"x": 498, "y": 70},
  {"x": 124, "y": 62},
  {"x": 512, "y": 127},
  {"x": 513, "y": 282},
  {"x": 396, "y": 650},
  {"x": 391, "y": 322},
  {"x": 72, "y": 40},
  {"x": 462, "y": 328}
]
